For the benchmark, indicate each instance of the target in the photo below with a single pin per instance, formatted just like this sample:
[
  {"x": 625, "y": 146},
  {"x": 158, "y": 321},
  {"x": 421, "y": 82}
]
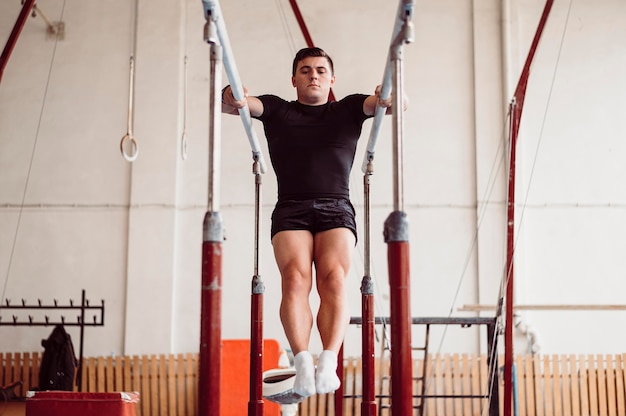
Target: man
[{"x": 312, "y": 143}]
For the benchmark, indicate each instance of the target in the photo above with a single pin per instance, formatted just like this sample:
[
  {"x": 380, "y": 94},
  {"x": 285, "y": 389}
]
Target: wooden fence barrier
[
  {"x": 20, "y": 367},
  {"x": 546, "y": 385}
]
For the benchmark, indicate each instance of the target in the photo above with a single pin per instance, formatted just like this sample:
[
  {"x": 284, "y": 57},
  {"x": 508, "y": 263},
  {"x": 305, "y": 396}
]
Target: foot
[
  {"x": 326, "y": 380},
  {"x": 304, "y": 384}
]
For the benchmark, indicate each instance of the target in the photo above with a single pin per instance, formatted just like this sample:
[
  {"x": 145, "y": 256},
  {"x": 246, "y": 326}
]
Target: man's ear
[{"x": 293, "y": 81}]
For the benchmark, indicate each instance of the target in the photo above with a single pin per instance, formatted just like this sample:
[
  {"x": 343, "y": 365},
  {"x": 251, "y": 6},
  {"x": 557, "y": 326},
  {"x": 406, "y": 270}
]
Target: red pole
[
  {"x": 396, "y": 233},
  {"x": 301, "y": 23},
  {"x": 15, "y": 33},
  {"x": 210, "y": 368},
  {"x": 401, "y": 357},
  {"x": 368, "y": 405},
  {"x": 338, "y": 395},
  {"x": 256, "y": 404},
  {"x": 508, "y": 329},
  {"x": 515, "y": 111}
]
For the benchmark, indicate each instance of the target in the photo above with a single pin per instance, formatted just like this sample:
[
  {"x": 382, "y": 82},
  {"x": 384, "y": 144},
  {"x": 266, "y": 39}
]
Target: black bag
[{"x": 59, "y": 364}]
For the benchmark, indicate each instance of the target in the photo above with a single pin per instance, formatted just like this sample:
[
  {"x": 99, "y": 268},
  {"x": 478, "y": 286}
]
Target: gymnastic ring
[
  {"x": 183, "y": 146},
  {"x": 133, "y": 147}
]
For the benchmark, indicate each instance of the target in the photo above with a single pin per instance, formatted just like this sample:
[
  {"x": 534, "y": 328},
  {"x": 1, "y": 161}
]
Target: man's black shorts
[{"x": 314, "y": 215}]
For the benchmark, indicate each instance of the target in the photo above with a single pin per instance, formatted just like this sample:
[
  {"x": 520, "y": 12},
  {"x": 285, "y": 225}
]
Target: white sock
[
  {"x": 326, "y": 380},
  {"x": 304, "y": 383}
]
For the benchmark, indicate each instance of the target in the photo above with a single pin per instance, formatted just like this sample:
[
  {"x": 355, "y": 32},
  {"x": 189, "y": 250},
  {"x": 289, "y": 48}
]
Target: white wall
[{"x": 74, "y": 214}]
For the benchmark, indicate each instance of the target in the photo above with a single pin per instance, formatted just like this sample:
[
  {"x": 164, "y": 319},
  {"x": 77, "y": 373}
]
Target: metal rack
[
  {"x": 82, "y": 309},
  {"x": 465, "y": 322}
]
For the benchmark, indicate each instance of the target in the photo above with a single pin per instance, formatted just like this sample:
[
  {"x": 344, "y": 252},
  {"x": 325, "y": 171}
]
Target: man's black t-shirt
[{"x": 312, "y": 147}]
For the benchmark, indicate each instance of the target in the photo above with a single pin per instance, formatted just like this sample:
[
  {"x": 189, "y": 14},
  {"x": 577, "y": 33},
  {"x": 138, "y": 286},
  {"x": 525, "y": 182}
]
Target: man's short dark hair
[{"x": 309, "y": 52}]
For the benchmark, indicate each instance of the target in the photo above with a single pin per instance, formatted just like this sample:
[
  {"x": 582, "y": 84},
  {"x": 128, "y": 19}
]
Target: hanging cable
[
  {"x": 30, "y": 164},
  {"x": 492, "y": 179},
  {"x": 128, "y": 145},
  {"x": 491, "y": 183},
  {"x": 545, "y": 116},
  {"x": 506, "y": 273},
  {"x": 183, "y": 136},
  {"x": 508, "y": 269},
  {"x": 286, "y": 29},
  {"x": 497, "y": 161}
]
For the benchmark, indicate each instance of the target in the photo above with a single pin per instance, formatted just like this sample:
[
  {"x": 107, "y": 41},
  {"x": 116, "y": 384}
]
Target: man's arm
[
  {"x": 370, "y": 103},
  {"x": 232, "y": 106}
]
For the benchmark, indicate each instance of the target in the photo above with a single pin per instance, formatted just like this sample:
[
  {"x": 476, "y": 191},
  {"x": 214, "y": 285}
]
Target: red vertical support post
[
  {"x": 210, "y": 366},
  {"x": 510, "y": 245},
  {"x": 15, "y": 34},
  {"x": 396, "y": 237},
  {"x": 256, "y": 404},
  {"x": 396, "y": 232},
  {"x": 368, "y": 404},
  {"x": 515, "y": 112},
  {"x": 338, "y": 395},
  {"x": 217, "y": 37}
]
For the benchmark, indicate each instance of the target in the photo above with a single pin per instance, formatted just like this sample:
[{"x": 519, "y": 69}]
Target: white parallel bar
[
  {"x": 405, "y": 11},
  {"x": 213, "y": 11}
]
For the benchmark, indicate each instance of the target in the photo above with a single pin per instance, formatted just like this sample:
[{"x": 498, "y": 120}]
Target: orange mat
[{"x": 236, "y": 376}]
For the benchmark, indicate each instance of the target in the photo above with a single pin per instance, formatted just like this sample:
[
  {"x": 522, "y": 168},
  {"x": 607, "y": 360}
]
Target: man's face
[{"x": 313, "y": 80}]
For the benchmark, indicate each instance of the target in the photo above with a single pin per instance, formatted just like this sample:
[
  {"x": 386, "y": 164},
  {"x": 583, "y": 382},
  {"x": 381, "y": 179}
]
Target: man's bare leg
[
  {"x": 332, "y": 257},
  {"x": 294, "y": 256}
]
